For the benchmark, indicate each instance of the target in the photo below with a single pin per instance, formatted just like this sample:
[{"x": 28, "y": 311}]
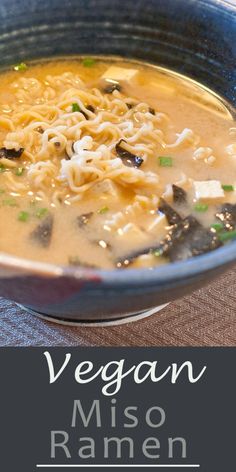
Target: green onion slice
[
  {"x": 20, "y": 171},
  {"x": 228, "y": 188},
  {"x": 227, "y": 235},
  {"x": 41, "y": 212},
  {"x": 88, "y": 62},
  {"x": 103, "y": 210},
  {"x": 75, "y": 107},
  {"x": 10, "y": 202},
  {"x": 20, "y": 67},
  {"x": 217, "y": 226},
  {"x": 157, "y": 252},
  {"x": 201, "y": 207},
  {"x": 165, "y": 161},
  {"x": 23, "y": 216}
]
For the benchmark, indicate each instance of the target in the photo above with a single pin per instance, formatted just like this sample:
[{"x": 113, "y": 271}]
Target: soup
[{"x": 108, "y": 163}]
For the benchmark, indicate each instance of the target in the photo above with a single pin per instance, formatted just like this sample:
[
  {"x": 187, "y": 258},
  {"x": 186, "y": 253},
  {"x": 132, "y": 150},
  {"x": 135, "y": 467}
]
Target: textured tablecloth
[{"x": 205, "y": 318}]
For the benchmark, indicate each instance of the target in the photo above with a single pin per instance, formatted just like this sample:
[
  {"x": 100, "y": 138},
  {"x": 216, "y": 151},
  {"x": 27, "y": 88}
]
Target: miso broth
[{"x": 108, "y": 163}]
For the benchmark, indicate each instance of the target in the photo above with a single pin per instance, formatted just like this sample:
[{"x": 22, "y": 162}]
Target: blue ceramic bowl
[{"x": 195, "y": 38}]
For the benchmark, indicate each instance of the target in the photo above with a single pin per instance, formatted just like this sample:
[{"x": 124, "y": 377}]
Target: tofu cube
[
  {"x": 158, "y": 227},
  {"x": 120, "y": 74},
  {"x": 208, "y": 190},
  {"x": 106, "y": 187},
  {"x": 146, "y": 260},
  {"x": 168, "y": 193},
  {"x": 132, "y": 236}
]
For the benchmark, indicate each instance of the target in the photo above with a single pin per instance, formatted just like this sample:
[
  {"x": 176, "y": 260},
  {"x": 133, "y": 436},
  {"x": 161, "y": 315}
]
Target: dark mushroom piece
[
  {"x": 129, "y": 159},
  {"x": 111, "y": 87},
  {"x": 76, "y": 262},
  {"x": 227, "y": 216},
  {"x": 152, "y": 111},
  {"x": 10, "y": 153},
  {"x": 39, "y": 130},
  {"x": 127, "y": 259},
  {"x": 83, "y": 220},
  {"x": 90, "y": 108},
  {"x": 42, "y": 234},
  {"x": 67, "y": 157},
  {"x": 189, "y": 239},
  {"x": 171, "y": 215},
  {"x": 179, "y": 195}
]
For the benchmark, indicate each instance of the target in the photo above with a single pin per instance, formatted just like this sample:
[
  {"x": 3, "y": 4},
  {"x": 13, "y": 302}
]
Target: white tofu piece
[
  {"x": 183, "y": 182},
  {"x": 231, "y": 150},
  {"x": 106, "y": 187},
  {"x": 131, "y": 235},
  {"x": 147, "y": 260},
  {"x": 168, "y": 193},
  {"x": 120, "y": 74},
  {"x": 158, "y": 227},
  {"x": 208, "y": 190}
]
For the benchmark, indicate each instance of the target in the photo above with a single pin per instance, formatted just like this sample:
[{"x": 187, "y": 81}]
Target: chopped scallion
[
  {"x": 227, "y": 235},
  {"x": 165, "y": 161},
  {"x": 75, "y": 107},
  {"x": 20, "y": 67},
  {"x": 157, "y": 252},
  {"x": 2, "y": 191},
  {"x": 41, "y": 212},
  {"x": 10, "y": 202},
  {"x": 228, "y": 188},
  {"x": 20, "y": 171},
  {"x": 217, "y": 226},
  {"x": 201, "y": 207},
  {"x": 23, "y": 216},
  {"x": 2, "y": 168},
  {"x": 103, "y": 210},
  {"x": 88, "y": 62}
]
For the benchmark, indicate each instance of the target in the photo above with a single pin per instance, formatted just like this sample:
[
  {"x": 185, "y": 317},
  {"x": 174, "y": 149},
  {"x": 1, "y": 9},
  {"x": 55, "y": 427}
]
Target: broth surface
[{"x": 85, "y": 160}]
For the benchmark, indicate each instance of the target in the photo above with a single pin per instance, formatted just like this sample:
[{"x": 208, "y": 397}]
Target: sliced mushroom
[
  {"x": 227, "y": 215},
  {"x": 189, "y": 239},
  {"x": 91, "y": 108},
  {"x": 83, "y": 220},
  {"x": 10, "y": 153},
  {"x": 111, "y": 87},
  {"x": 42, "y": 234},
  {"x": 171, "y": 215},
  {"x": 129, "y": 159},
  {"x": 76, "y": 262},
  {"x": 179, "y": 195},
  {"x": 152, "y": 111}
]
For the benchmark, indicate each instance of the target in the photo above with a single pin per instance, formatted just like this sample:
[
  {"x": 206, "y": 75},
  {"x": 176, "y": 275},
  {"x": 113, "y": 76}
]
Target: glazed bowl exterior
[{"x": 195, "y": 38}]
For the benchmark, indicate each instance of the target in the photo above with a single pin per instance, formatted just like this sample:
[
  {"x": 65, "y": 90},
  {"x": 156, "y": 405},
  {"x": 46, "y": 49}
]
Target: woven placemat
[{"x": 205, "y": 318}]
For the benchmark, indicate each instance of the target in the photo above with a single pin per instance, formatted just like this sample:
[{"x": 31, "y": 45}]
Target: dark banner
[{"x": 90, "y": 409}]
